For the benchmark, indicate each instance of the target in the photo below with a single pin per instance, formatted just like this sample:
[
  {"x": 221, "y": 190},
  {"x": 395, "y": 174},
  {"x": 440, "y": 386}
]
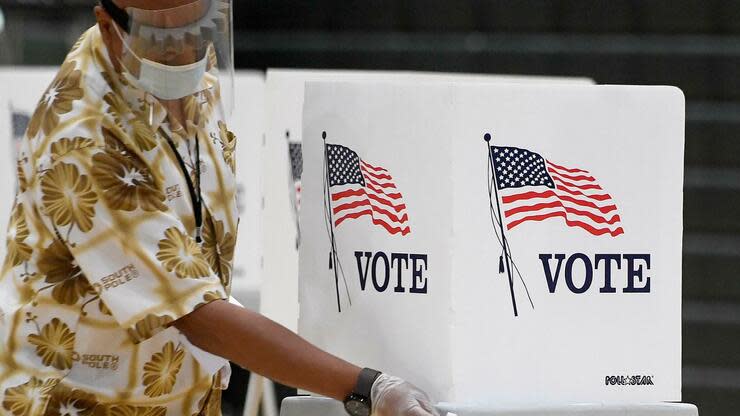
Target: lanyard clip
[{"x": 199, "y": 234}]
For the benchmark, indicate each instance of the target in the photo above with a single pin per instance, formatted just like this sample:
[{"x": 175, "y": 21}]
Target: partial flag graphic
[
  {"x": 295, "y": 159},
  {"x": 295, "y": 153},
  {"x": 359, "y": 189},
  {"x": 536, "y": 189},
  {"x": 20, "y": 120}
]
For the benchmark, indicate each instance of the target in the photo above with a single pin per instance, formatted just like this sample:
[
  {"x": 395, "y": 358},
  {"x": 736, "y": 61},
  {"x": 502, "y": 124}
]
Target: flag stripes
[{"x": 359, "y": 189}]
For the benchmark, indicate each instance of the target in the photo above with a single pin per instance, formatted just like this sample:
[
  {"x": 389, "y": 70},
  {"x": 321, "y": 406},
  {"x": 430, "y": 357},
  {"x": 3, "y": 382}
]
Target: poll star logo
[
  {"x": 527, "y": 187},
  {"x": 355, "y": 189}
]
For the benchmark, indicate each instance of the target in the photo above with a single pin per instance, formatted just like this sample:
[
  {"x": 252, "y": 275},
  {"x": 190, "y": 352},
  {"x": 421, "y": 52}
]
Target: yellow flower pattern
[
  {"x": 218, "y": 248},
  {"x": 68, "y": 197},
  {"x": 54, "y": 344},
  {"x": 180, "y": 253},
  {"x": 28, "y": 398},
  {"x": 148, "y": 327},
  {"x": 101, "y": 255},
  {"x": 58, "y": 266},
  {"x": 160, "y": 373},
  {"x": 211, "y": 296},
  {"x": 18, "y": 250},
  {"x": 127, "y": 410},
  {"x": 117, "y": 106},
  {"x": 228, "y": 145},
  {"x": 210, "y": 404},
  {"x": 143, "y": 135},
  {"x": 67, "y": 145},
  {"x": 67, "y": 402},
  {"x": 22, "y": 181},
  {"x": 57, "y": 100},
  {"x": 127, "y": 183}
]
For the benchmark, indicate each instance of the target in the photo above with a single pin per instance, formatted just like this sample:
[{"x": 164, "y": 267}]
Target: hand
[{"x": 392, "y": 396}]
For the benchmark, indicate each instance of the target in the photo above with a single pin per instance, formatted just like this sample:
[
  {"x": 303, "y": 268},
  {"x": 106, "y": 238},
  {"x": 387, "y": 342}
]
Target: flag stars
[
  {"x": 519, "y": 167},
  {"x": 344, "y": 166}
]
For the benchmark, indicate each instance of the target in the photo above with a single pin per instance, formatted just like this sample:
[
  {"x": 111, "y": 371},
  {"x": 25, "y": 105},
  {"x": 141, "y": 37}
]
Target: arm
[{"x": 265, "y": 347}]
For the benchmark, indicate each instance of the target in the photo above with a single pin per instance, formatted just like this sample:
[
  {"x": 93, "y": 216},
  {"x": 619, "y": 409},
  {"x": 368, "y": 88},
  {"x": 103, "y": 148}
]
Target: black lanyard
[{"x": 195, "y": 195}]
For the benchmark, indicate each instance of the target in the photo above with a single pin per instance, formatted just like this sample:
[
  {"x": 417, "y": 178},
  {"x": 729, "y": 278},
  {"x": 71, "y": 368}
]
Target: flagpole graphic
[
  {"x": 357, "y": 191},
  {"x": 334, "y": 263},
  {"x": 504, "y": 242}
]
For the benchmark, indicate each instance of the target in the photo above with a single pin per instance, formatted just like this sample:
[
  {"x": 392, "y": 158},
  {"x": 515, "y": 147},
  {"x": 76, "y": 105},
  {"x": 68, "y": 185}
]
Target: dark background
[{"x": 692, "y": 44}]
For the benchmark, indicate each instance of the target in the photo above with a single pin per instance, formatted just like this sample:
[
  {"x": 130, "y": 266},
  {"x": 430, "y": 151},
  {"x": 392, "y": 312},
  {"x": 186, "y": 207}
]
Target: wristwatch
[{"x": 358, "y": 403}]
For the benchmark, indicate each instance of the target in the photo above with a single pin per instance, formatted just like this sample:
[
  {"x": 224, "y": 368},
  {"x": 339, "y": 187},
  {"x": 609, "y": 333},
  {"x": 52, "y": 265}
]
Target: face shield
[{"x": 180, "y": 51}]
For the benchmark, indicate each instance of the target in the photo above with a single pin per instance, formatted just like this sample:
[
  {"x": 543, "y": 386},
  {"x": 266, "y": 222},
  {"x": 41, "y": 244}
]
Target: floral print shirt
[{"x": 101, "y": 255}]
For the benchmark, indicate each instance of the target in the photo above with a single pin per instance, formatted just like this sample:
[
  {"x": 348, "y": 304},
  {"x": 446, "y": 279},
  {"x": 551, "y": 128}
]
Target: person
[{"x": 114, "y": 291}]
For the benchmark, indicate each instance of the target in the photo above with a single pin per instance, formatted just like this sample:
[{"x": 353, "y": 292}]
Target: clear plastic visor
[{"x": 180, "y": 37}]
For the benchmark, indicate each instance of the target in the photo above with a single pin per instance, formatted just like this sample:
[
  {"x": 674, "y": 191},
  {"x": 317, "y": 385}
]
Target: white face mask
[
  {"x": 171, "y": 82},
  {"x": 167, "y": 82}
]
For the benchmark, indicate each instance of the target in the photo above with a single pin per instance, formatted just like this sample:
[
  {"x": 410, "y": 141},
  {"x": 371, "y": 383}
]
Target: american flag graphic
[
  {"x": 295, "y": 153},
  {"x": 536, "y": 189},
  {"x": 360, "y": 189}
]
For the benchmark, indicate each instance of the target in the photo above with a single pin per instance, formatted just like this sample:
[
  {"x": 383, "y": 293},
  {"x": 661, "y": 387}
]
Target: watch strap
[{"x": 365, "y": 382}]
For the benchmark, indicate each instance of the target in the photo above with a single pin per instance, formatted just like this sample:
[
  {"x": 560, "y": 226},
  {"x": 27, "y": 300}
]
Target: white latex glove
[{"x": 392, "y": 396}]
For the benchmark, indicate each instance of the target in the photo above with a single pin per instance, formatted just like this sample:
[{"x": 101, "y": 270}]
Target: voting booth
[
  {"x": 283, "y": 167},
  {"x": 247, "y": 123},
  {"x": 508, "y": 245}
]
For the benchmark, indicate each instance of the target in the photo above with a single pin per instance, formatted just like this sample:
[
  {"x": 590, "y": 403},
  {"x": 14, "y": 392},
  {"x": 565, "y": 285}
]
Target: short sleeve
[{"x": 108, "y": 209}]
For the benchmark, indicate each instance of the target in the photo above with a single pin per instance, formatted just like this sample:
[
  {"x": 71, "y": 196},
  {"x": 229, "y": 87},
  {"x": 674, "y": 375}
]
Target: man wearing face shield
[{"x": 114, "y": 291}]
